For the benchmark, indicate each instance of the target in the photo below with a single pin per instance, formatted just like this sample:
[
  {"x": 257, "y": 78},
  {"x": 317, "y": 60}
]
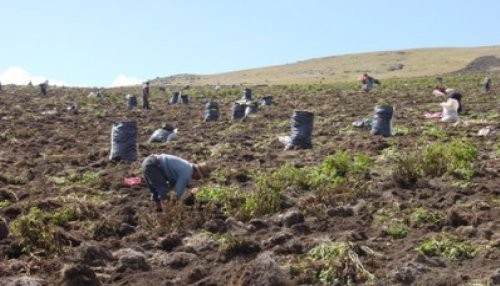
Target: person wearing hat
[{"x": 163, "y": 172}]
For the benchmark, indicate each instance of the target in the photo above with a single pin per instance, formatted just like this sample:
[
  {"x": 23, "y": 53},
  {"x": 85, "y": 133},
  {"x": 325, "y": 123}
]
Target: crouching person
[
  {"x": 367, "y": 82},
  {"x": 163, "y": 172}
]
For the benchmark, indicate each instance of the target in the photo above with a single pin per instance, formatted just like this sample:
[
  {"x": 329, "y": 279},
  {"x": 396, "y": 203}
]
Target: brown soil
[
  {"x": 481, "y": 64},
  {"x": 37, "y": 147}
]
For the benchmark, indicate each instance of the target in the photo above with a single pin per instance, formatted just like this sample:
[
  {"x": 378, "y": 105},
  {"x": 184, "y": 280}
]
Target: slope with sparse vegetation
[
  {"x": 418, "y": 208},
  {"x": 383, "y": 65}
]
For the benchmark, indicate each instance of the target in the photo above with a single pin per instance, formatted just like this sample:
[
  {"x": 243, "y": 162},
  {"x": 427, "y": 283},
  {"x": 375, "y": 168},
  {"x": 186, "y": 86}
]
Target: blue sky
[{"x": 113, "y": 42}]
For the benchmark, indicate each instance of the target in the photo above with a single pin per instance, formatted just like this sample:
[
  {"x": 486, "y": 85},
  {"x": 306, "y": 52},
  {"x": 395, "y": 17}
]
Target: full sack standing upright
[
  {"x": 250, "y": 108},
  {"x": 184, "y": 99},
  {"x": 302, "y": 127},
  {"x": 382, "y": 120},
  {"x": 486, "y": 84},
  {"x": 211, "y": 111},
  {"x": 247, "y": 94},
  {"x": 267, "y": 100},
  {"x": 238, "y": 111},
  {"x": 124, "y": 141},
  {"x": 175, "y": 98},
  {"x": 131, "y": 101}
]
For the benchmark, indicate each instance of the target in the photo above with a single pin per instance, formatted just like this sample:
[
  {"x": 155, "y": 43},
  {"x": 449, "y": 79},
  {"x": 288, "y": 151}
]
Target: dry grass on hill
[{"x": 383, "y": 65}]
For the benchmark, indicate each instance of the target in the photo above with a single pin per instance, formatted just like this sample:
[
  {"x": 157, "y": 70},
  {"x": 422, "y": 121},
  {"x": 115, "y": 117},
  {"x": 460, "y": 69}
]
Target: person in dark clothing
[
  {"x": 43, "y": 88},
  {"x": 163, "y": 172},
  {"x": 487, "y": 84},
  {"x": 145, "y": 96},
  {"x": 457, "y": 96},
  {"x": 99, "y": 94},
  {"x": 367, "y": 82}
]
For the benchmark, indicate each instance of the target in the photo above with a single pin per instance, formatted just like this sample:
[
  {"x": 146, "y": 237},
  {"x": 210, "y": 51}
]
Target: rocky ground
[{"x": 69, "y": 219}]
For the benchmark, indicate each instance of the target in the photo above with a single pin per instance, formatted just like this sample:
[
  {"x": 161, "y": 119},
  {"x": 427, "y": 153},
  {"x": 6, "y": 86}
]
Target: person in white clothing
[{"x": 450, "y": 110}]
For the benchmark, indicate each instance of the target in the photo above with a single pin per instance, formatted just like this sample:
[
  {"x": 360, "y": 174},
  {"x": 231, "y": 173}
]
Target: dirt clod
[
  {"x": 79, "y": 275},
  {"x": 170, "y": 241}
]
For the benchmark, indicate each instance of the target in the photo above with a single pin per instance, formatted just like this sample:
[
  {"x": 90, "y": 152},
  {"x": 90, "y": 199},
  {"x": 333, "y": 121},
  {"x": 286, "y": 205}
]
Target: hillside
[
  {"x": 421, "y": 207},
  {"x": 383, "y": 65}
]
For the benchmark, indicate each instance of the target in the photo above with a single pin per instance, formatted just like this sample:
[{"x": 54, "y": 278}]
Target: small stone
[{"x": 131, "y": 259}]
